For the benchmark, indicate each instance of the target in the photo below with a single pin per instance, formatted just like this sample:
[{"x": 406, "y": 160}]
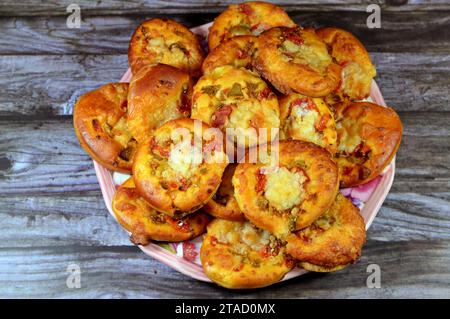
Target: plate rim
[{"x": 195, "y": 271}]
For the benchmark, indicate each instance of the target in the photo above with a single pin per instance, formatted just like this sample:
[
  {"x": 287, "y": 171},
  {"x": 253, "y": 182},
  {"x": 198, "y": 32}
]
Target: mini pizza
[
  {"x": 368, "y": 138},
  {"x": 308, "y": 119},
  {"x": 296, "y": 60},
  {"x": 249, "y": 18},
  {"x": 223, "y": 204},
  {"x": 357, "y": 68},
  {"x": 157, "y": 94},
  {"x": 290, "y": 195},
  {"x": 239, "y": 100},
  {"x": 146, "y": 224},
  {"x": 99, "y": 119},
  {"x": 331, "y": 242},
  {"x": 237, "y": 51},
  {"x": 238, "y": 255},
  {"x": 167, "y": 42},
  {"x": 180, "y": 167}
]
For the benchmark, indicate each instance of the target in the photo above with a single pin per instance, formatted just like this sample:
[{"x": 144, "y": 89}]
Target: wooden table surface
[{"x": 51, "y": 210}]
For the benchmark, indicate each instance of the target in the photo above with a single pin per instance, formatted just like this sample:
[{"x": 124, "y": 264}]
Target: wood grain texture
[
  {"x": 49, "y": 84},
  {"x": 111, "y": 34},
  {"x": 414, "y": 269},
  {"x": 58, "y": 8}
]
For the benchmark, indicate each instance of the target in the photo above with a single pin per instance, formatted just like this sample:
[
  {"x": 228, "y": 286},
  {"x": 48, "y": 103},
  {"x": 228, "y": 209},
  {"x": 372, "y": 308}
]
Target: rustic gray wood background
[{"x": 52, "y": 213}]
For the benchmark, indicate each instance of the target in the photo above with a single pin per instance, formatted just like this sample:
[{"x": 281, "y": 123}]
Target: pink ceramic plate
[{"x": 368, "y": 198}]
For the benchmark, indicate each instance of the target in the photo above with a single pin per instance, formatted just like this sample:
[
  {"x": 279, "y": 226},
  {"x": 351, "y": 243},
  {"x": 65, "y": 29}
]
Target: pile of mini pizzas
[{"x": 277, "y": 206}]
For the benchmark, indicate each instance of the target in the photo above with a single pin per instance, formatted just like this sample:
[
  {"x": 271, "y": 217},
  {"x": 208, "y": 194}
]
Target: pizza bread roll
[
  {"x": 167, "y": 42},
  {"x": 237, "y": 51},
  {"x": 237, "y": 255},
  {"x": 249, "y": 18},
  {"x": 296, "y": 60},
  {"x": 290, "y": 195},
  {"x": 157, "y": 94},
  {"x": 308, "y": 119},
  {"x": 331, "y": 242},
  {"x": 357, "y": 68},
  {"x": 223, "y": 204},
  {"x": 99, "y": 119},
  {"x": 146, "y": 224},
  {"x": 237, "y": 99},
  {"x": 368, "y": 138},
  {"x": 173, "y": 171}
]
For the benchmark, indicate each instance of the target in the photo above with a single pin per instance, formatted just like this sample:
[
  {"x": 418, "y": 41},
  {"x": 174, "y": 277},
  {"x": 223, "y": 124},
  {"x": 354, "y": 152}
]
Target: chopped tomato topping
[
  {"x": 178, "y": 224},
  {"x": 290, "y": 262},
  {"x": 344, "y": 63},
  {"x": 184, "y": 184},
  {"x": 220, "y": 116},
  {"x": 264, "y": 93},
  {"x": 245, "y": 8},
  {"x": 155, "y": 147},
  {"x": 306, "y": 103},
  {"x": 304, "y": 238},
  {"x": 238, "y": 268},
  {"x": 295, "y": 38},
  {"x": 321, "y": 124},
  {"x": 347, "y": 170},
  {"x": 339, "y": 87},
  {"x": 261, "y": 180},
  {"x": 184, "y": 106},
  {"x": 189, "y": 252},
  {"x": 213, "y": 241},
  {"x": 265, "y": 251},
  {"x": 362, "y": 150},
  {"x": 173, "y": 185},
  {"x": 241, "y": 54}
]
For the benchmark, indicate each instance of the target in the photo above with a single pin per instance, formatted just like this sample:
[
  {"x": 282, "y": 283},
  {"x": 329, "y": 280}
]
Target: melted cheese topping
[
  {"x": 348, "y": 139},
  {"x": 249, "y": 116},
  {"x": 284, "y": 189},
  {"x": 242, "y": 236},
  {"x": 121, "y": 133},
  {"x": 185, "y": 158},
  {"x": 303, "y": 125}
]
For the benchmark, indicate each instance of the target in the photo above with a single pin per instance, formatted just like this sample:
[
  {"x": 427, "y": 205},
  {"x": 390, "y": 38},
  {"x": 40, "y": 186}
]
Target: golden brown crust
[
  {"x": 331, "y": 242},
  {"x": 99, "y": 120},
  {"x": 237, "y": 51},
  {"x": 308, "y": 119},
  {"x": 357, "y": 68},
  {"x": 249, "y": 18},
  {"x": 368, "y": 138},
  {"x": 157, "y": 95},
  {"x": 237, "y": 255},
  {"x": 146, "y": 224},
  {"x": 171, "y": 172},
  {"x": 296, "y": 59},
  {"x": 237, "y": 99},
  {"x": 223, "y": 204},
  {"x": 165, "y": 41},
  {"x": 289, "y": 196}
]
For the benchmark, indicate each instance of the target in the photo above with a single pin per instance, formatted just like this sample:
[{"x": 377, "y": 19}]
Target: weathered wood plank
[
  {"x": 111, "y": 34},
  {"x": 49, "y": 84},
  {"x": 58, "y": 220},
  {"x": 408, "y": 269},
  {"x": 58, "y": 8},
  {"x": 44, "y": 157}
]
